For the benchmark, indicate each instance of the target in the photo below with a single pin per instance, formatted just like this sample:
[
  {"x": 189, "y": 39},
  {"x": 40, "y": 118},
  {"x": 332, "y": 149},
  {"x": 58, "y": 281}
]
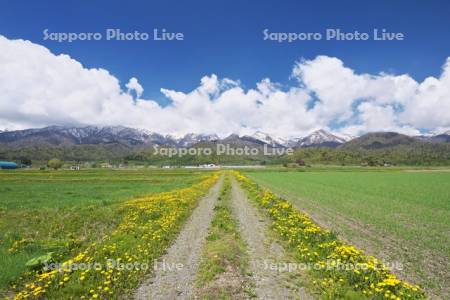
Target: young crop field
[
  {"x": 399, "y": 216},
  {"x": 61, "y": 212}
]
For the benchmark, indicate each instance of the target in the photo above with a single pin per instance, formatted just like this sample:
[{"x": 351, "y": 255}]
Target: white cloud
[
  {"x": 38, "y": 88},
  {"x": 133, "y": 85},
  {"x": 374, "y": 117},
  {"x": 380, "y": 102},
  {"x": 338, "y": 87},
  {"x": 430, "y": 106}
]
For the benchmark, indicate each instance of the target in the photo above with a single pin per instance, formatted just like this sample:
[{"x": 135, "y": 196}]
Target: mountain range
[
  {"x": 131, "y": 137},
  {"x": 111, "y": 142}
]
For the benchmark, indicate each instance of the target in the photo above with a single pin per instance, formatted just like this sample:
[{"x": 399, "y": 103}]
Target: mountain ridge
[
  {"x": 138, "y": 138},
  {"x": 119, "y": 143}
]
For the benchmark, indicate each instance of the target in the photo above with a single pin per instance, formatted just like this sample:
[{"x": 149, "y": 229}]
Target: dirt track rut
[
  {"x": 263, "y": 251},
  {"x": 178, "y": 283}
]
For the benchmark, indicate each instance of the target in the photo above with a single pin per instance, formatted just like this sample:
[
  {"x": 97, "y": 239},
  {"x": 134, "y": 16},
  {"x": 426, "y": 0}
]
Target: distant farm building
[
  {"x": 208, "y": 166},
  {"x": 205, "y": 166},
  {"x": 8, "y": 165}
]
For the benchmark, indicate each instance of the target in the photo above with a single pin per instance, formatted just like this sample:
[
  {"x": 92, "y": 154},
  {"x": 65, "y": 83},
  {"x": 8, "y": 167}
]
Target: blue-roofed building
[{"x": 8, "y": 165}]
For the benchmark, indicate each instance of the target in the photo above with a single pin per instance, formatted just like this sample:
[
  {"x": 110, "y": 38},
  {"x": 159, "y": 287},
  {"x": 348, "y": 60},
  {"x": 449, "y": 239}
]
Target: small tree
[
  {"x": 54, "y": 163},
  {"x": 25, "y": 161},
  {"x": 300, "y": 162}
]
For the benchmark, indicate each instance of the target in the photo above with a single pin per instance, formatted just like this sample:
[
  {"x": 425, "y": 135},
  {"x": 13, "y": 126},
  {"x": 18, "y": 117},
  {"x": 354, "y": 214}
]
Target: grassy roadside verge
[
  {"x": 114, "y": 266},
  {"x": 340, "y": 270},
  {"x": 222, "y": 270}
]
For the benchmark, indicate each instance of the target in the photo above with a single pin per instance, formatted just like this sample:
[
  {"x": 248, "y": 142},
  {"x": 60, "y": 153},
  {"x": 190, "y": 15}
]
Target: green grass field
[
  {"x": 400, "y": 215},
  {"x": 61, "y": 211}
]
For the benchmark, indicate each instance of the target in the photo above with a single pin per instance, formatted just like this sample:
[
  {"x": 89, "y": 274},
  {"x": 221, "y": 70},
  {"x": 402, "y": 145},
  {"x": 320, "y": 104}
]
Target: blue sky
[{"x": 225, "y": 38}]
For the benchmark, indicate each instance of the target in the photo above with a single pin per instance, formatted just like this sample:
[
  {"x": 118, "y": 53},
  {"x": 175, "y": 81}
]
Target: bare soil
[
  {"x": 178, "y": 283},
  {"x": 264, "y": 252}
]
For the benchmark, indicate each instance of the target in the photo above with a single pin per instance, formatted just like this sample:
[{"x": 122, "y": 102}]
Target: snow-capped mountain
[
  {"x": 321, "y": 138},
  {"x": 64, "y": 135},
  {"x": 346, "y": 137},
  {"x": 137, "y": 138},
  {"x": 267, "y": 139},
  {"x": 131, "y": 137},
  {"x": 193, "y": 138}
]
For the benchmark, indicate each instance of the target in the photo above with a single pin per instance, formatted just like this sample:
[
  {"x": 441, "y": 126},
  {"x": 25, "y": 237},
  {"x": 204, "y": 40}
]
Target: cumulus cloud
[
  {"x": 38, "y": 88},
  {"x": 430, "y": 105},
  {"x": 338, "y": 87},
  {"x": 133, "y": 85},
  {"x": 380, "y": 102}
]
